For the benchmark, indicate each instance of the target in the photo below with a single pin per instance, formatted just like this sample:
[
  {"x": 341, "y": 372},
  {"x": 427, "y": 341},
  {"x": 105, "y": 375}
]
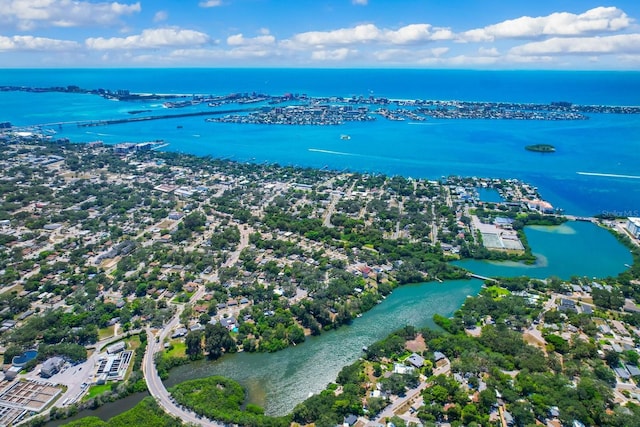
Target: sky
[{"x": 469, "y": 34}]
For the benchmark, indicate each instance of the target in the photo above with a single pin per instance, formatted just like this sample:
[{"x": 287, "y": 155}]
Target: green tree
[{"x": 193, "y": 343}]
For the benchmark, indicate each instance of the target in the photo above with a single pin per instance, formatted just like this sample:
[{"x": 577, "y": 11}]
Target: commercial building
[
  {"x": 633, "y": 225},
  {"x": 116, "y": 348},
  {"x": 51, "y": 366}
]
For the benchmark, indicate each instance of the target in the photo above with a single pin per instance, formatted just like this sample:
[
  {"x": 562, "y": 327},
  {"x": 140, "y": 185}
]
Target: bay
[{"x": 605, "y": 145}]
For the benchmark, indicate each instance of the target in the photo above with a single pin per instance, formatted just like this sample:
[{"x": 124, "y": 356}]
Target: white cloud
[
  {"x": 30, "y": 43},
  {"x": 630, "y": 58},
  {"x": 360, "y": 2},
  {"x": 160, "y": 16},
  {"x": 153, "y": 38},
  {"x": 206, "y": 55},
  {"x": 488, "y": 51},
  {"x": 210, "y": 3},
  {"x": 332, "y": 55},
  {"x": 407, "y": 56},
  {"x": 28, "y": 14},
  {"x": 464, "y": 60},
  {"x": 557, "y": 24},
  {"x": 241, "y": 40},
  {"x": 528, "y": 59},
  {"x": 621, "y": 43},
  {"x": 369, "y": 33}
]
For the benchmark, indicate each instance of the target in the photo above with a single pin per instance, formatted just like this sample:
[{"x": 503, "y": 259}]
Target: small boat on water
[{"x": 345, "y": 137}]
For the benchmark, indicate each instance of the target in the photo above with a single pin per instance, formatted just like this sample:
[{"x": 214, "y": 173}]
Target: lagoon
[{"x": 571, "y": 249}]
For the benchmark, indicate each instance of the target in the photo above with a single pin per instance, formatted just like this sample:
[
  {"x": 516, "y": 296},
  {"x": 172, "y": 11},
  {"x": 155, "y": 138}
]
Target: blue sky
[{"x": 485, "y": 34}]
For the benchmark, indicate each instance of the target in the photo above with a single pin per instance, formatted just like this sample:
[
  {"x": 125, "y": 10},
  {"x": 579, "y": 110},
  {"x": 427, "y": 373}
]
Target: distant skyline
[{"x": 472, "y": 34}]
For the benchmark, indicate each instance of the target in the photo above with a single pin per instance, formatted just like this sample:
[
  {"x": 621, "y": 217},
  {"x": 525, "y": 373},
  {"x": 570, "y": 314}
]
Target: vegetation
[
  {"x": 147, "y": 413},
  {"x": 222, "y": 399}
]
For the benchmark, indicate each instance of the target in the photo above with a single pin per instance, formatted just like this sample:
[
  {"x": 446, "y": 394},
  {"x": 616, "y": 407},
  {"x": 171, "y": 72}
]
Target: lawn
[
  {"x": 106, "y": 332},
  {"x": 496, "y": 292},
  {"x": 96, "y": 390},
  {"x": 178, "y": 350},
  {"x": 133, "y": 343}
]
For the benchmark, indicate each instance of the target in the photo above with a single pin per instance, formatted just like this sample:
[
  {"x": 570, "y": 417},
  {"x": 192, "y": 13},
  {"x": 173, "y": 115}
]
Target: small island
[{"x": 541, "y": 148}]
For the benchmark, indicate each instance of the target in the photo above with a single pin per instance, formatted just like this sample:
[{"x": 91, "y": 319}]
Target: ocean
[{"x": 596, "y": 168}]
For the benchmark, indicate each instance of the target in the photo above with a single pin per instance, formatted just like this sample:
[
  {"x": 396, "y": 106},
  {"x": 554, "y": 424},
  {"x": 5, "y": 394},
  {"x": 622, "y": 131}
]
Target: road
[
  {"x": 414, "y": 393},
  {"x": 157, "y": 388},
  {"x": 154, "y": 383}
]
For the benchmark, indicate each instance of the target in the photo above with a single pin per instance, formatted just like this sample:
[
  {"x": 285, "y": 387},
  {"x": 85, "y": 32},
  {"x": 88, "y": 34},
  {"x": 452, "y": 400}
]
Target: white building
[
  {"x": 633, "y": 225},
  {"x": 116, "y": 348}
]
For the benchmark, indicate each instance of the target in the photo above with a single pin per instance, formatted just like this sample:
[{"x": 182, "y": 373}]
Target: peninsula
[
  {"x": 108, "y": 251},
  {"x": 302, "y": 109}
]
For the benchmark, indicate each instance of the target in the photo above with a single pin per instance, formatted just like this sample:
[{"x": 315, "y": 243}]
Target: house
[
  {"x": 350, "y": 420},
  {"x": 180, "y": 332},
  {"x": 399, "y": 368},
  {"x": 51, "y": 366},
  {"x": 196, "y": 327},
  {"x": 567, "y": 305},
  {"x": 508, "y": 418},
  {"x": 440, "y": 359},
  {"x": 633, "y": 370},
  {"x": 622, "y": 373},
  {"x": 175, "y": 215},
  {"x": 416, "y": 360},
  {"x": 605, "y": 329},
  {"x": 228, "y": 322}
]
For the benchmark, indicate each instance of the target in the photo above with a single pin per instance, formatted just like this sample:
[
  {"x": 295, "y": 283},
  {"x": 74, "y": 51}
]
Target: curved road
[
  {"x": 154, "y": 383},
  {"x": 157, "y": 388}
]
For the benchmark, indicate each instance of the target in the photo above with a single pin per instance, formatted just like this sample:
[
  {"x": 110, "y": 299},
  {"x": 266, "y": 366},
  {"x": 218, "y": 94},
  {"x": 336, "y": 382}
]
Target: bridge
[
  {"x": 91, "y": 123},
  {"x": 477, "y": 276}
]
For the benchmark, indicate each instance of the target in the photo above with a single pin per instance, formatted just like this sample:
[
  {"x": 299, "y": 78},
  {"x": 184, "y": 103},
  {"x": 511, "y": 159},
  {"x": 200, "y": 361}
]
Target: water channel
[{"x": 278, "y": 381}]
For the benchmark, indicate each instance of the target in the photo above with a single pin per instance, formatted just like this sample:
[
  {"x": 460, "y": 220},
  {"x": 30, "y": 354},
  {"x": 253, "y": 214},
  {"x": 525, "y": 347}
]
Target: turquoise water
[
  {"x": 605, "y": 144},
  {"x": 279, "y": 381},
  {"x": 571, "y": 249},
  {"x": 489, "y": 195}
]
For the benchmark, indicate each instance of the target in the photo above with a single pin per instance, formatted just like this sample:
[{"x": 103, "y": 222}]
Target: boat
[{"x": 345, "y": 137}]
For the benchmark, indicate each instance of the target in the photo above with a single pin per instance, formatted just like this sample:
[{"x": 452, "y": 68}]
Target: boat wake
[
  {"x": 98, "y": 134},
  {"x": 609, "y": 175},
  {"x": 339, "y": 153}
]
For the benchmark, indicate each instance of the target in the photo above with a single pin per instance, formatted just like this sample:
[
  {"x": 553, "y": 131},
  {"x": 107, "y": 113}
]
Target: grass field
[
  {"x": 106, "y": 332},
  {"x": 96, "y": 390},
  {"x": 178, "y": 350}
]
